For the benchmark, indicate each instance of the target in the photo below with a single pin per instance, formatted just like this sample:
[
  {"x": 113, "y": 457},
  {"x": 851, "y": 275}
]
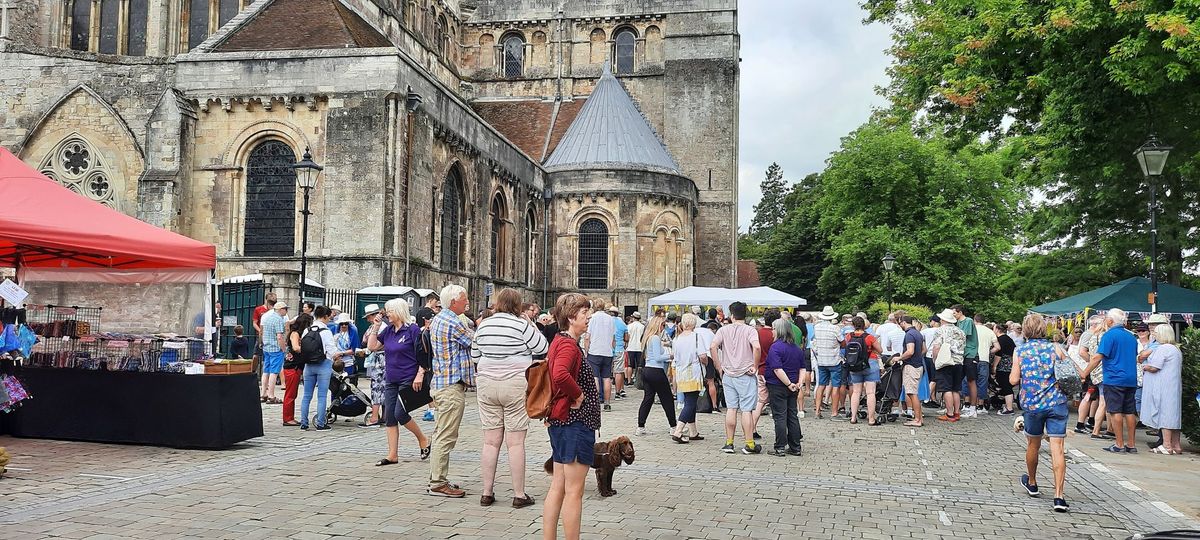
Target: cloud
[{"x": 809, "y": 73}]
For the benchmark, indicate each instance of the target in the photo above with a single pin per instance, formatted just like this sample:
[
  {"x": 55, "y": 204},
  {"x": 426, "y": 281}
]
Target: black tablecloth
[{"x": 161, "y": 409}]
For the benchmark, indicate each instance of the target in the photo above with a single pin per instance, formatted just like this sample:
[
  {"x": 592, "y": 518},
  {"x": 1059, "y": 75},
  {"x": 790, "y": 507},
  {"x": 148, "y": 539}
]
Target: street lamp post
[
  {"x": 306, "y": 177},
  {"x": 1152, "y": 157},
  {"x": 889, "y": 262}
]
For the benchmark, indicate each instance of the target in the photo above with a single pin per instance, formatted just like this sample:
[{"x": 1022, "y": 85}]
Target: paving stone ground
[{"x": 853, "y": 481}]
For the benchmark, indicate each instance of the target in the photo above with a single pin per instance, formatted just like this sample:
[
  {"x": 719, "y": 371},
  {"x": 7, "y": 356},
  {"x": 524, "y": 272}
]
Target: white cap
[
  {"x": 280, "y": 305},
  {"x": 335, "y": 308}
]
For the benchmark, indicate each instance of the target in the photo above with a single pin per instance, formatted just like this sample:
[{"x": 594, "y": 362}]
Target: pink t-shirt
[{"x": 737, "y": 342}]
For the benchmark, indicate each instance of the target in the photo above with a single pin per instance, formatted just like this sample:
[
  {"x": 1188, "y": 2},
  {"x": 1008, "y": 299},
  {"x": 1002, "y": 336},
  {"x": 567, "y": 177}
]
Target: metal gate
[
  {"x": 238, "y": 301},
  {"x": 347, "y": 299}
]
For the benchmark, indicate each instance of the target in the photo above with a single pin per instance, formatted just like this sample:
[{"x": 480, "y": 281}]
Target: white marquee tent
[{"x": 721, "y": 297}]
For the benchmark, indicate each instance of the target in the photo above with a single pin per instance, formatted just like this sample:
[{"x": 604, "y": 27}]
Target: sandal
[
  {"x": 385, "y": 461},
  {"x": 274, "y": 401},
  {"x": 877, "y": 422},
  {"x": 1115, "y": 449},
  {"x": 913, "y": 424},
  {"x": 678, "y": 439},
  {"x": 696, "y": 437},
  {"x": 425, "y": 452},
  {"x": 292, "y": 423},
  {"x": 1160, "y": 450}
]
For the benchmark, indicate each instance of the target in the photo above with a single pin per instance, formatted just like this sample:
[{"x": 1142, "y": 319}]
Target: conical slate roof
[{"x": 611, "y": 133}]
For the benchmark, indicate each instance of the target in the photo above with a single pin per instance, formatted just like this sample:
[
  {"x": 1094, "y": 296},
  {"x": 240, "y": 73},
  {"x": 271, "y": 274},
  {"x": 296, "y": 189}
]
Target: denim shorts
[
  {"x": 573, "y": 443},
  {"x": 871, "y": 374},
  {"x": 829, "y": 376},
  {"x": 1051, "y": 422},
  {"x": 602, "y": 366},
  {"x": 1120, "y": 399},
  {"x": 741, "y": 392}
]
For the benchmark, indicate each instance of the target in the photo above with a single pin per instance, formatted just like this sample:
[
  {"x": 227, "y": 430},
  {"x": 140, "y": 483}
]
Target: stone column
[{"x": 287, "y": 287}]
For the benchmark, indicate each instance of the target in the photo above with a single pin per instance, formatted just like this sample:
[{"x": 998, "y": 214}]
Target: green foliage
[
  {"x": 770, "y": 210},
  {"x": 749, "y": 248},
  {"x": 1079, "y": 85},
  {"x": 877, "y": 312},
  {"x": 1190, "y": 345},
  {"x": 797, "y": 251},
  {"x": 944, "y": 213}
]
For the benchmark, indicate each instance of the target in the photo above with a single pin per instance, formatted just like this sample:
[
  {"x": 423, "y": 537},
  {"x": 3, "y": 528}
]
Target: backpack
[
  {"x": 312, "y": 349},
  {"x": 858, "y": 357}
]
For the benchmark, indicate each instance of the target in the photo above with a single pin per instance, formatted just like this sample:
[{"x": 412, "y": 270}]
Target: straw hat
[
  {"x": 343, "y": 318},
  {"x": 947, "y": 315},
  {"x": 280, "y": 305},
  {"x": 371, "y": 309},
  {"x": 828, "y": 314},
  {"x": 1157, "y": 318}
]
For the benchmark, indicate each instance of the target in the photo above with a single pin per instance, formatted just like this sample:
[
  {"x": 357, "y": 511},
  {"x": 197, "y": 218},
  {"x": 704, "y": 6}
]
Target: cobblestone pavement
[{"x": 854, "y": 481}]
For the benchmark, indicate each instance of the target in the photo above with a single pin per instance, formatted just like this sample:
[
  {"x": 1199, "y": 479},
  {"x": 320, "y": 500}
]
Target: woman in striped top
[{"x": 504, "y": 346}]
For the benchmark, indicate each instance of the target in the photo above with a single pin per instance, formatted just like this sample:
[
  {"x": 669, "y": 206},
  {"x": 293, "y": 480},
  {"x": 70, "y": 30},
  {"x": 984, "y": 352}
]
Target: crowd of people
[{"x": 737, "y": 365}]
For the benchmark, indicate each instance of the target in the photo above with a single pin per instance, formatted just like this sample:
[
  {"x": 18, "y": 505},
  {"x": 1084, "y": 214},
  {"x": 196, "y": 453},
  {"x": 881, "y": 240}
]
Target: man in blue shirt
[
  {"x": 1118, "y": 352},
  {"x": 620, "y": 339}
]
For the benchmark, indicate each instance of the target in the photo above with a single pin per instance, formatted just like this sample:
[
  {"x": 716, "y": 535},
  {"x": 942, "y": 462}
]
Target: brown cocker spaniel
[{"x": 609, "y": 456}]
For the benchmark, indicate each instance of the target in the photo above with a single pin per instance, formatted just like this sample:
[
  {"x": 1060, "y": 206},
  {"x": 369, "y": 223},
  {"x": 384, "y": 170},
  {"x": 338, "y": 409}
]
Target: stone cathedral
[{"x": 547, "y": 145}]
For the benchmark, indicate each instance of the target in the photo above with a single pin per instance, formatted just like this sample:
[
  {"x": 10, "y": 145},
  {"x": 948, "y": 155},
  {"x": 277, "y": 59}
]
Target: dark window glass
[
  {"x": 271, "y": 200},
  {"x": 197, "y": 23},
  {"x": 440, "y": 39},
  {"x": 227, "y": 9},
  {"x": 137, "y": 27},
  {"x": 497, "y": 218},
  {"x": 452, "y": 214},
  {"x": 593, "y": 255},
  {"x": 530, "y": 238},
  {"x": 81, "y": 24},
  {"x": 514, "y": 56},
  {"x": 110, "y": 12},
  {"x": 625, "y": 47}
]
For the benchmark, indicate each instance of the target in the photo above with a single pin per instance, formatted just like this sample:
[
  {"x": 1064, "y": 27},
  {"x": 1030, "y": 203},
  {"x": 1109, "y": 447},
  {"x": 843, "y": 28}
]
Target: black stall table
[{"x": 160, "y": 409}]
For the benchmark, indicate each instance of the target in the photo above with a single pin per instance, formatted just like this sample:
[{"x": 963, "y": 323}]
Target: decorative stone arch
[
  {"x": 487, "y": 51},
  {"x": 236, "y": 154},
  {"x": 533, "y": 234},
  {"x": 539, "y": 49},
  {"x": 514, "y": 54},
  {"x": 598, "y": 51},
  {"x": 500, "y": 226},
  {"x": 575, "y": 248},
  {"x": 654, "y": 43},
  {"x": 107, "y": 137},
  {"x": 459, "y": 229}
]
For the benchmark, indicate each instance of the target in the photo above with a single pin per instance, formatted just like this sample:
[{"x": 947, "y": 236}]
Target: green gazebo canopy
[{"x": 1130, "y": 295}]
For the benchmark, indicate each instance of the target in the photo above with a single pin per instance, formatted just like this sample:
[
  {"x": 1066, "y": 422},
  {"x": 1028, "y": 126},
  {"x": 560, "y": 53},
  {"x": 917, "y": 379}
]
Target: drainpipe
[
  {"x": 411, "y": 103},
  {"x": 547, "y": 197}
]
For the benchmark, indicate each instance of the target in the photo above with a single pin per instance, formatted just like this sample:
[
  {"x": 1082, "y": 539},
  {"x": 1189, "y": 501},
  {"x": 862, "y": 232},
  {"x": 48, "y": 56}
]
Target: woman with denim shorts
[
  {"x": 1046, "y": 411},
  {"x": 867, "y": 378},
  {"x": 397, "y": 337}
]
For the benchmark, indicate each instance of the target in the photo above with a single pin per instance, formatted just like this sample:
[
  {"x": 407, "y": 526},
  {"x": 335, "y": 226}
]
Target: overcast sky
[{"x": 809, "y": 72}]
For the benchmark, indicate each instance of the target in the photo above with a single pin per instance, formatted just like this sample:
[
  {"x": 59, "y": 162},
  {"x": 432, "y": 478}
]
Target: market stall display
[{"x": 110, "y": 384}]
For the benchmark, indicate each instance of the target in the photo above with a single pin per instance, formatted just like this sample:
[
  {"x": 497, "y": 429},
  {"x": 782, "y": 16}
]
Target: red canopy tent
[{"x": 45, "y": 225}]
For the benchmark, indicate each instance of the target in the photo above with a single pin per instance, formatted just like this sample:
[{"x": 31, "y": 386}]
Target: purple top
[
  {"x": 400, "y": 352},
  {"x": 788, "y": 357}
]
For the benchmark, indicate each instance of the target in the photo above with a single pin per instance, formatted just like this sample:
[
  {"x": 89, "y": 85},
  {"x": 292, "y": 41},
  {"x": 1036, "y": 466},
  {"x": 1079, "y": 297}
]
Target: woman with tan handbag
[
  {"x": 691, "y": 354},
  {"x": 503, "y": 348}
]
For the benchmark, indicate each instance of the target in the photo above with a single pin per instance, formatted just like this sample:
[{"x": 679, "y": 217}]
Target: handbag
[
  {"x": 538, "y": 390},
  {"x": 415, "y": 399},
  {"x": 944, "y": 358},
  {"x": 637, "y": 383},
  {"x": 1066, "y": 376}
]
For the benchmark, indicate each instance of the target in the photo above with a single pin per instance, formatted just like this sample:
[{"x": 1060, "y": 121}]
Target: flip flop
[
  {"x": 913, "y": 424},
  {"x": 291, "y": 423},
  {"x": 385, "y": 461}
]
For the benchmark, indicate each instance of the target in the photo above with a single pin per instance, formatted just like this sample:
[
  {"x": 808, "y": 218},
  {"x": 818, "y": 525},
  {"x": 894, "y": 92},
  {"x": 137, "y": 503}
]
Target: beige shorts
[
  {"x": 619, "y": 364},
  {"x": 912, "y": 379},
  {"x": 502, "y": 403},
  {"x": 763, "y": 396}
]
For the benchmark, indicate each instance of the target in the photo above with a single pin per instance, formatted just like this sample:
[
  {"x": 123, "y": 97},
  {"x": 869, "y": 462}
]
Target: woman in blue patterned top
[{"x": 1045, "y": 406}]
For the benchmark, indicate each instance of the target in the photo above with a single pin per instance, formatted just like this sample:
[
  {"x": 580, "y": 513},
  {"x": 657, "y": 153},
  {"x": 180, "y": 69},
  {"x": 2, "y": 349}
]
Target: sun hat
[
  {"x": 279, "y": 305},
  {"x": 371, "y": 309},
  {"x": 637, "y": 315},
  {"x": 947, "y": 315},
  {"x": 1157, "y": 318},
  {"x": 343, "y": 318},
  {"x": 613, "y": 309},
  {"x": 828, "y": 314},
  {"x": 695, "y": 310},
  {"x": 335, "y": 308}
]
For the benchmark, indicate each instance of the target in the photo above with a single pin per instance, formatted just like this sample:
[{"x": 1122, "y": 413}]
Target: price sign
[{"x": 12, "y": 292}]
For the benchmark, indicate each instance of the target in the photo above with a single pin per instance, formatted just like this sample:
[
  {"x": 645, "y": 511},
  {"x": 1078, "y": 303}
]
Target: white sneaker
[
  {"x": 968, "y": 411},
  {"x": 801, "y": 414},
  {"x": 641, "y": 431},
  {"x": 979, "y": 411}
]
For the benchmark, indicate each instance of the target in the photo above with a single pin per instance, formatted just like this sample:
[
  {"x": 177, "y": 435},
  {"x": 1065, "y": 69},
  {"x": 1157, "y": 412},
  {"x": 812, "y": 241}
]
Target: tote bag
[{"x": 944, "y": 358}]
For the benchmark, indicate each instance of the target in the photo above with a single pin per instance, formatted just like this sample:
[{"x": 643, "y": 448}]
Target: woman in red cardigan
[{"x": 574, "y": 418}]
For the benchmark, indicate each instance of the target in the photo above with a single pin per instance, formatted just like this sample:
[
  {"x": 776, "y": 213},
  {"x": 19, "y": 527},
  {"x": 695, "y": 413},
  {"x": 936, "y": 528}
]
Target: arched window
[
  {"x": 198, "y": 21},
  {"x": 81, "y": 25},
  {"x": 531, "y": 236},
  {"x": 498, "y": 216},
  {"x": 270, "y": 228},
  {"x": 453, "y": 211},
  {"x": 593, "y": 255},
  {"x": 74, "y": 163},
  {"x": 440, "y": 38},
  {"x": 514, "y": 56},
  {"x": 625, "y": 44}
]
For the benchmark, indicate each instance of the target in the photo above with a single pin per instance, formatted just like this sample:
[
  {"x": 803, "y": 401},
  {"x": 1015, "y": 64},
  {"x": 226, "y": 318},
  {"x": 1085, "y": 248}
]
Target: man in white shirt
[
  {"x": 891, "y": 336},
  {"x": 633, "y": 351},
  {"x": 827, "y": 355},
  {"x": 599, "y": 343}
]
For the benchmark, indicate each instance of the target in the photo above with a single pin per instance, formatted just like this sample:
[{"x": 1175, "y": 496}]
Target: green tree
[
  {"x": 944, "y": 213},
  {"x": 797, "y": 252},
  {"x": 770, "y": 210},
  {"x": 749, "y": 248},
  {"x": 1082, "y": 83}
]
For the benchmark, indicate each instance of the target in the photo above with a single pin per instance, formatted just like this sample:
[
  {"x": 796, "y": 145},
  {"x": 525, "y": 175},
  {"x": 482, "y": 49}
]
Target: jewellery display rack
[{"x": 71, "y": 337}]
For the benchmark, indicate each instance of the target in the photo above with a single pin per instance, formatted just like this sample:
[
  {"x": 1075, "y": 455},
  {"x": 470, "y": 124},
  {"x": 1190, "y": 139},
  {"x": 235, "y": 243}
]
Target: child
[{"x": 240, "y": 346}]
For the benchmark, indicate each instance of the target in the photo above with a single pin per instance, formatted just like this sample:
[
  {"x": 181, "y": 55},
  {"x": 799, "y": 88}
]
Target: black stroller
[
  {"x": 887, "y": 392},
  {"x": 347, "y": 400}
]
